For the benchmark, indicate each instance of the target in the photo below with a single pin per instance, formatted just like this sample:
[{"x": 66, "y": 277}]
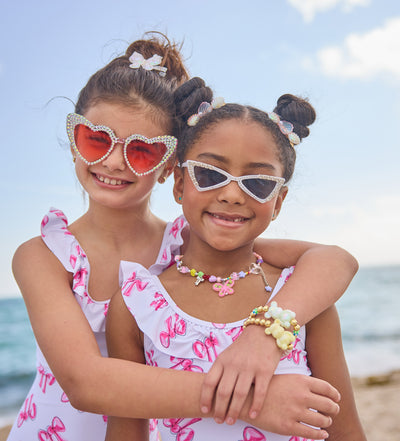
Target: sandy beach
[{"x": 378, "y": 402}]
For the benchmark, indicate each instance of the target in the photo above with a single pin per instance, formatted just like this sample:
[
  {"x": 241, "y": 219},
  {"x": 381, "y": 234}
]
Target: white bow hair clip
[
  {"x": 204, "y": 108},
  {"x": 137, "y": 60}
]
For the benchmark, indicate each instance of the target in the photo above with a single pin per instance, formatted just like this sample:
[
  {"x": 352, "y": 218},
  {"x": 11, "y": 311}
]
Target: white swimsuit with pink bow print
[
  {"x": 46, "y": 414},
  {"x": 174, "y": 339}
]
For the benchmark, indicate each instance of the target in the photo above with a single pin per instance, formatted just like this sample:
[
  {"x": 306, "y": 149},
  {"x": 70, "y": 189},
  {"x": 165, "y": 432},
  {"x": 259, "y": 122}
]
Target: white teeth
[
  {"x": 237, "y": 219},
  {"x": 109, "y": 181}
]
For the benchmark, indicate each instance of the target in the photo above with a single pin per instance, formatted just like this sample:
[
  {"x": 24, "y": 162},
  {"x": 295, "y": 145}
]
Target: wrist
[{"x": 276, "y": 321}]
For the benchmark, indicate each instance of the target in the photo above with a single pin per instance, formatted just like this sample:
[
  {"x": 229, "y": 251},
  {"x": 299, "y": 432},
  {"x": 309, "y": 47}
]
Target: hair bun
[
  {"x": 298, "y": 111},
  {"x": 170, "y": 53},
  {"x": 189, "y": 96}
]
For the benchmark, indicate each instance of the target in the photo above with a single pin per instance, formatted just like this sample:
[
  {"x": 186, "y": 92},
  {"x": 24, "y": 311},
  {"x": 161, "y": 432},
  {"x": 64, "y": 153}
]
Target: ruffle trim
[
  {"x": 172, "y": 241},
  {"x": 55, "y": 234},
  {"x": 57, "y": 237},
  {"x": 173, "y": 332}
]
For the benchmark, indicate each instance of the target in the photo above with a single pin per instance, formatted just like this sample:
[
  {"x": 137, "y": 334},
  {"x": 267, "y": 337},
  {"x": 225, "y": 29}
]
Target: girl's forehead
[
  {"x": 237, "y": 142},
  {"x": 232, "y": 133},
  {"x": 127, "y": 119}
]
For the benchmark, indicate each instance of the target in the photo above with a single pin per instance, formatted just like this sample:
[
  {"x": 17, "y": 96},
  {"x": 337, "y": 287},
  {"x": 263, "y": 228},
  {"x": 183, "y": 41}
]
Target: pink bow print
[
  {"x": 176, "y": 227},
  {"x": 132, "y": 281},
  {"x": 225, "y": 288},
  {"x": 235, "y": 332},
  {"x": 178, "y": 326},
  {"x": 45, "y": 221},
  {"x": 150, "y": 361},
  {"x": 28, "y": 412},
  {"x": 183, "y": 433},
  {"x": 252, "y": 434},
  {"x": 206, "y": 348},
  {"x": 185, "y": 364},
  {"x": 158, "y": 302},
  {"x": 52, "y": 431},
  {"x": 80, "y": 277},
  {"x": 44, "y": 377}
]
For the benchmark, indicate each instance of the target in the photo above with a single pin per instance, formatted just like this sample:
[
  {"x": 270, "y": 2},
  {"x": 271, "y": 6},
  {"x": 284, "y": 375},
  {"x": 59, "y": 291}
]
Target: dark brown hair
[
  {"x": 139, "y": 88},
  {"x": 290, "y": 108}
]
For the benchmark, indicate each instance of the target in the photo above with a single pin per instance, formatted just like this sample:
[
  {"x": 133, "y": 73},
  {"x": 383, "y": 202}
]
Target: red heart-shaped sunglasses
[{"x": 94, "y": 143}]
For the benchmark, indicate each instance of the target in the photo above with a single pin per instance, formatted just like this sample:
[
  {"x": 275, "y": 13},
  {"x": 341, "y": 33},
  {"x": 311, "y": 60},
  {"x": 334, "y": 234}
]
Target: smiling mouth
[
  {"x": 235, "y": 219},
  {"x": 111, "y": 181}
]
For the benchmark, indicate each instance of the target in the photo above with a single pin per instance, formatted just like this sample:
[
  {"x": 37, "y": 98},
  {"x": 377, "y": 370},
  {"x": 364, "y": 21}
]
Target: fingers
[
  {"x": 323, "y": 388},
  {"x": 324, "y": 406},
  {"x": 242, "y": 388},
  {"x": 260, "y": 392},
  {"x": 209, "y": 386},
  {"x": 316, "y": 419},
  {"x": 303, "y": 431},
  {"x": 223, "y": 395}
]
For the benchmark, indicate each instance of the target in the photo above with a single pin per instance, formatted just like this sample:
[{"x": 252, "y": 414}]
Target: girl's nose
[
  {"x": 115, "y": 160},
  {"x": 231, "y": 194}
]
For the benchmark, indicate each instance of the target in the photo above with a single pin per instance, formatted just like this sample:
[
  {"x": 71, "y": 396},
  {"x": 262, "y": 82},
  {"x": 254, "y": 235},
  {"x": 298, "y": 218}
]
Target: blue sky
[{"x": 344, "y": 55}]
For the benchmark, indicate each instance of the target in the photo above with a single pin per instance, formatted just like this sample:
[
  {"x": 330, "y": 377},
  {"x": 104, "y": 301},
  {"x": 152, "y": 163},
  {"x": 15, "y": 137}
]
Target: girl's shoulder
[
  {"x": 33, "y": 248},
  {"x": 61, "y": 242}
]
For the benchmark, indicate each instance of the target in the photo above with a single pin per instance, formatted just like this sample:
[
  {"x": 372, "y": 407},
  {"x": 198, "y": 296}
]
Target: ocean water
[{"x": 369, "y": 313}]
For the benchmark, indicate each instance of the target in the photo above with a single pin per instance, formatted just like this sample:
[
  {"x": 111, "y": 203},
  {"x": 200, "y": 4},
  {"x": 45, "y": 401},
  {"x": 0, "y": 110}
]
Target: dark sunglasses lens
[
  {"x": 261, "y": 188},
  {"x": 92, "y": 145},
  {"x": 143, "y": 157},
  {"x": 206, "y": 177}
]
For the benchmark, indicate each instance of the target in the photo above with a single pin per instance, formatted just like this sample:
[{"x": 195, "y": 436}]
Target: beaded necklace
[{"x": 223, "y": 285}]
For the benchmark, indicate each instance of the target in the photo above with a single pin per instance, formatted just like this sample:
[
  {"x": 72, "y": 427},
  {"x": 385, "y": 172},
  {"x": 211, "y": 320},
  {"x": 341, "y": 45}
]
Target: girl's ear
[
  {"x": 167, "y": 170},
  {"x": 279, "y": 201},
  {"x": 178, "y": 185}
]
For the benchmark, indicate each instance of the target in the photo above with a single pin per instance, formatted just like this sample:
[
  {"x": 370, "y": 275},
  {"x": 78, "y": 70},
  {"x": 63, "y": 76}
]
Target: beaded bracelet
[{"x": 283, "y": 319}]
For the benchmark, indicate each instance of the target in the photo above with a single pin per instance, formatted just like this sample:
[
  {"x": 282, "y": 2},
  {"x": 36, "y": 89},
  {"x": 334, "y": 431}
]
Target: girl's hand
[
  {"x": 287, "y": 408},
  {"x": 250, "y": 361}
]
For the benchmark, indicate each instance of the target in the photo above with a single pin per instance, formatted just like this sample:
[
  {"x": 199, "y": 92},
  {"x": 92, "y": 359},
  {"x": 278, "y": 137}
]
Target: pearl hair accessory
[
  {"x": 137, "y": 60},
  {"x": 285, "y": 127},
  {"x": 204, "y": 108},
  {"x": 223, "y": 285}
]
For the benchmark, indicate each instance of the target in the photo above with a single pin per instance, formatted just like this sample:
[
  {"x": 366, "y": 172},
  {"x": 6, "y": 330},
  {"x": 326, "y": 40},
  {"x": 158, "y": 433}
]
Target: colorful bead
[
  {"x": 223, "y": 285},
  {"x": 283, "y": 319}
]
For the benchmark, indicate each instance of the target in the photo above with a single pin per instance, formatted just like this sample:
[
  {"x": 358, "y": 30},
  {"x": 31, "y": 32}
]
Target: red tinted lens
[
  {"x": 143, "y": 157},
  {"x": 92, "y": 145}
]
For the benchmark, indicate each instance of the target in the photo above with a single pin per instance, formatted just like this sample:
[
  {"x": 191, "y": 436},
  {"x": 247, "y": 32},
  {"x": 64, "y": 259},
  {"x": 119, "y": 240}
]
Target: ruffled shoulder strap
[
  {"x": 145, "y": 298},
  {"x": 170, "y": 246},
  {"x": 283, "y": 278},
  {"x": 55, "y": 234}
]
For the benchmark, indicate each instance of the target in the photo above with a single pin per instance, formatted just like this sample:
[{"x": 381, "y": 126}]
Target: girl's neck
[
  {"x": 120, "y": 226},
  {"x": 221, "y": 263}
]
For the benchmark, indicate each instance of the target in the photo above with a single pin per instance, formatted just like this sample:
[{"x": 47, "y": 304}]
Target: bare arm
[
  {"x": 288, "y": 400},
  {"x": 124, "y": 341},
  {"x": 93, "y": 382},
  {"x": 327, "y": 361},
  {"x": 321, "y": 276},
  {"x": 90, "y": 381}
]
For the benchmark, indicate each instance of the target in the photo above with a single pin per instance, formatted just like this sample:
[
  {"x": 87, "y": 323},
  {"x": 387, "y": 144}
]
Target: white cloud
[
  {"x": 362, "y": 55},
  {"x": 309, "y": 8}
]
